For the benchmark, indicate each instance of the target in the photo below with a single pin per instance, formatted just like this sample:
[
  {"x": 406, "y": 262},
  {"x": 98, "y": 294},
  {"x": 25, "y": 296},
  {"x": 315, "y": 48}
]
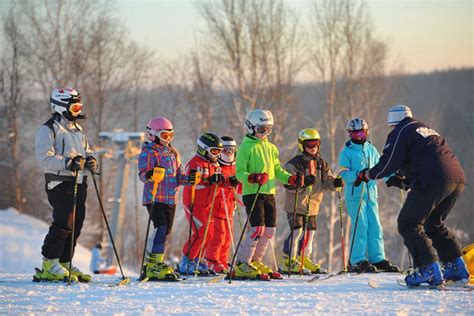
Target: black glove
[
  {"x": 309, "y": 180},
  {"x": 362, "y": 176},
  {"x": 91, "y": 164},
  {"x": 338, "y": 182},
  {"x": 397, "y": 181},
  {"x": 192, "y": 177},
  {"x": 233, "y": 181},
  {"x": 149, "y": 175},
  {"x": 216, "y": 178},
  {"x": 75, "y": 164}
]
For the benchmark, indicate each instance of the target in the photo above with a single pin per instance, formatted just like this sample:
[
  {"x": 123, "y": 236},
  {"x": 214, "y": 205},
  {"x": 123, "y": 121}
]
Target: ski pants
[
  {"x": 218, "y": 247},
  {"x": 262, "y": 227},
  {"x": 162, "y": 217},
  {"x": 198, "y": 227},
  {"x": 421, "y": 223},
  {"x": 298, "y": 238},
  {"x": 57, "y": 243},
  {"x": 368, "y": 238}
]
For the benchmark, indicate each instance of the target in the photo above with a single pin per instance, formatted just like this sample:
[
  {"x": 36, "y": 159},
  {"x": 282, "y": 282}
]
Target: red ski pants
[
  {"x": 198, "y": 227},
  {"x": 218, "y": 247}
]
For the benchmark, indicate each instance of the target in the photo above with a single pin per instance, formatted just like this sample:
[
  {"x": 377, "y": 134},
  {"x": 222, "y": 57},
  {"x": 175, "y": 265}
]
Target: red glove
[
  {"x": 259, "y": 178},
  {"x": 362, "y": 176},
  {"x": 296, "y": 181}
]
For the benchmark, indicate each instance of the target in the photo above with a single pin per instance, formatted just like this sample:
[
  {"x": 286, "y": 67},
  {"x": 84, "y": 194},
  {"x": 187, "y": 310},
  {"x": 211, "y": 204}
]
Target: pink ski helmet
[{"x": 158, "y": 124}]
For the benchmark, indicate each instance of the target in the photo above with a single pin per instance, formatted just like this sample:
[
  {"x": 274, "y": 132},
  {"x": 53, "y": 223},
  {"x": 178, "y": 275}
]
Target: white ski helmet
[
  {"x": 66, "y": 102},
  {"x": 397, "y": 113},
  {"x": 357, "y": 124},
  {"x": 227, "y": 156},
  {"x": 259, "y": 118}
]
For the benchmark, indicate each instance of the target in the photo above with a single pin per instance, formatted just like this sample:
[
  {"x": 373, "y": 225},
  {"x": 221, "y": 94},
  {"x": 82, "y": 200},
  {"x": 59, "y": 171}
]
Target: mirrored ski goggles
[
  {"x": 229, "y": 150},
  {"x": 166, "y": 135},
  {"x": 215, "y": 151},
  {"x": 264, "y": 129},
  {"x": 312, "y": 143},
  {"x": 359, "y": 135},
  {"x": 75, "y": 108}
]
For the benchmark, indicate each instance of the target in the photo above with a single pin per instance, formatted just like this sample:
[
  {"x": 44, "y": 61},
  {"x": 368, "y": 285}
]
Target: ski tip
[
  {"x": 124, "y": 281},
  {"x": 373, "y": 283}
]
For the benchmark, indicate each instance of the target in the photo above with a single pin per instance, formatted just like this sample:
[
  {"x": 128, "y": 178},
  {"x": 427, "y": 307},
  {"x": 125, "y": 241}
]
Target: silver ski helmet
[
  {"x": 358, "y": 130},
  {"x": 397, "y": 113},
  {"x": 210, "y": 146},
  {"x": 66, "y": 102},
  {"x": 259, "y": 121},
  {"x": 227, "y": 156}
]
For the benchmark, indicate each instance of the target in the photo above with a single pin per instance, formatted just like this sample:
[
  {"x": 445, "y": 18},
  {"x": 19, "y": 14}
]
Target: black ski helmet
[{"x": 210, "y": 146}]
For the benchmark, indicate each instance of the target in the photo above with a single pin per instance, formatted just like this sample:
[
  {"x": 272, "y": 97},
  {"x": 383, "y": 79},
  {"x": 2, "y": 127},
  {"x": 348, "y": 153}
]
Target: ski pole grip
[
  {"x": 193, "y": 187},
  {"x": 157, "y": 177}
]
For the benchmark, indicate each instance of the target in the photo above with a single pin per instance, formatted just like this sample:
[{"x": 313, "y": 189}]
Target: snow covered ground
[{"x": 342, "y": 294}]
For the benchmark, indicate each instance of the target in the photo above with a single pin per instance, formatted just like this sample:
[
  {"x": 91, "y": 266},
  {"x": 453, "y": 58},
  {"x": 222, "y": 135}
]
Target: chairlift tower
[{"x": 128, "y": 148}]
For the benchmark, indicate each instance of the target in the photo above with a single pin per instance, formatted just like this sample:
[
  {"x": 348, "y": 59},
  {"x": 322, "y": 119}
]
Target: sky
[{"x": 422, "y": 35}]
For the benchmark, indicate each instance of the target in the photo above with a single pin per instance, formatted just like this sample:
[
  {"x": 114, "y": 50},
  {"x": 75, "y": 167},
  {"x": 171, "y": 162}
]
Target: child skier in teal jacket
[{"x": 367, "y": 252}]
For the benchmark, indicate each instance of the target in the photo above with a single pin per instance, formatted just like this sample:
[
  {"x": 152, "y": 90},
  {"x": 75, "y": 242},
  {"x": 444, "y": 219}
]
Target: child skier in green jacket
[{"x": 258, "y": 166}]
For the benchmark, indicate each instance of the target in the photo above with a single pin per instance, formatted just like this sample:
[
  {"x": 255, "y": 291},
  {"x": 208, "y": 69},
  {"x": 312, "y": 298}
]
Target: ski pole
[
  {"x": 206, "y": 230},
  {"x": 243, "y": 231},
  {"x": 275, "y": 265},
  {"x": 157, "y": 177},
  {"x": 125, "y": 280},
  {"x": 305, "y": 221},
  {"x": 292, "y": 231},
  {"x": 356, "y": 221},
  {"x": 339, "y": 206},
  {"x": 191, "y": 216},
  {"x": 74, "y": 206},
  {"x": 228, "y": 220}
]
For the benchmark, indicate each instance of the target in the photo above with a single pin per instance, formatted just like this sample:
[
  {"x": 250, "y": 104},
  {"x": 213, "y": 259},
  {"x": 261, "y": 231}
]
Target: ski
[
  {"x": 123, "y": 281},
  {"x": 442, "y": 287},
  {"x": 321, "y": 277},
  {"x": 217, "y": 278}
]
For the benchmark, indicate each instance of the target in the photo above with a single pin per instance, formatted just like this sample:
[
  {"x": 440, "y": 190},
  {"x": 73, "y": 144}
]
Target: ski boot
[
  {"x": 264, "y": 269},
  {"x": 216, "y": 266},
  {"x": 430, "y": 274},
  {"x": 386, "y": 266},
  {"x": 204, "y": 269},
  {"x": 313, "y": 267},
  {"x": 294, "y": 265},
  {"x": 363, "y": 267},
  {"x": 193, "y": 268},
  {"x": 52, "y": 271},
  {"x": 157, "y": 270},
  {"x": 246, "y": 271},
  {"x": 456, "y": 271},
  {"x": 82, "y": 277}
]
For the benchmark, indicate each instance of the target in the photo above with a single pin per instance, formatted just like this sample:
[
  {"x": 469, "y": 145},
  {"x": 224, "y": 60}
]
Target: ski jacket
[
  {"x": 421, "y": 154},
  {"x": 257, "y": 156},
  {"x": 204, "y": 190},
  {"x": 56, "y": 140},
  {"x": 353, "y": 158},
  {"x": 312, "y": 194},
  {"x": 156, "y": 155},
  {"x": 229, "y": 194}
]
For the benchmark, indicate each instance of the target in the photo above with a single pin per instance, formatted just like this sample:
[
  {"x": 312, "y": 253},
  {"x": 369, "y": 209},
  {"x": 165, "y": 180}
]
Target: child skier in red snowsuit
[
  {"x": 217, "y": 251},
  {"x": 205, "y": 161}
]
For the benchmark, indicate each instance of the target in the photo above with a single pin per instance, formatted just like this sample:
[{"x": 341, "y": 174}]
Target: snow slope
[{"x": 342, "y": 294}]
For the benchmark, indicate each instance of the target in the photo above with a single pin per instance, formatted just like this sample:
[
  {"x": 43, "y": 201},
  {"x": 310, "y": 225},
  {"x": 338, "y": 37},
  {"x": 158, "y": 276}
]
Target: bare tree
[{"x": 349, "y": 62}]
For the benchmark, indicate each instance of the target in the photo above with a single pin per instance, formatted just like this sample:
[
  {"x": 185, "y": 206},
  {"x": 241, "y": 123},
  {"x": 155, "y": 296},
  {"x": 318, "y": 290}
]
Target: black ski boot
[
  {"x": 386, "y": 266},
  {"x": 363, "y": 267}
]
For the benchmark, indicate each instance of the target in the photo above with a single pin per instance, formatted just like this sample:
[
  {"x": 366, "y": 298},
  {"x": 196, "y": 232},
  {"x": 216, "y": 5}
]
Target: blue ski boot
[
  {"x": 456, "y": 270},
  {"x": 430, "y": 274},
  {"x": 183, "y": 268}
]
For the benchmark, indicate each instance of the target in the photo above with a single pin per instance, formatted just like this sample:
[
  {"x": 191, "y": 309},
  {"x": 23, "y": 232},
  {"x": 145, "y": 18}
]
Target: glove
[
  {"x": 149, "y": 175},
  {"x": 192, "y": 177},
  {"x": 75, "y": 164},
  {"x": 309, "y": 180},
  {"x": 216, "y": 178},
  {"x": 91, "y": 164},
  {"x": 362, "y": 176},
  {"x": 259, "y": 178},
  {"x": 296, "y": 181},
  {"x": 233, "y": 181},
  {"x": 397, "y": 181},
  {"x": 338, "y": 182}
]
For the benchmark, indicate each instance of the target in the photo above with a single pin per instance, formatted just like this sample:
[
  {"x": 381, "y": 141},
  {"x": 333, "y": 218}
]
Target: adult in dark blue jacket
[{"x": 435, "y": 179}]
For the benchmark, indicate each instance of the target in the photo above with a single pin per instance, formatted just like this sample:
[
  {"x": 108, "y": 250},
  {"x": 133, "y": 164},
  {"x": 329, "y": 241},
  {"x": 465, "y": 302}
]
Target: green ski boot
[{"x": 82, "y": 277}]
